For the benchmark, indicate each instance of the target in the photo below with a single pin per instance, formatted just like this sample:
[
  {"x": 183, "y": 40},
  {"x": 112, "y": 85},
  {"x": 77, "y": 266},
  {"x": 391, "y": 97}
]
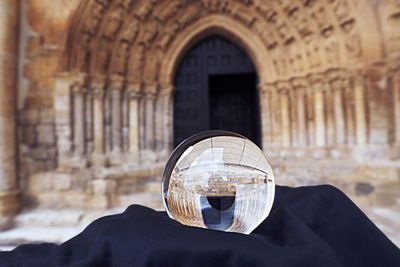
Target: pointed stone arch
[{"x": 226, "y": 27}]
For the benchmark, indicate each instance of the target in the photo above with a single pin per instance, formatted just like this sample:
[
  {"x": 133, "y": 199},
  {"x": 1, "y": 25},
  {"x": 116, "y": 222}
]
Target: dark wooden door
[
  {"x": 234, "y": 105},
  {"x": 193, "y": 104}
]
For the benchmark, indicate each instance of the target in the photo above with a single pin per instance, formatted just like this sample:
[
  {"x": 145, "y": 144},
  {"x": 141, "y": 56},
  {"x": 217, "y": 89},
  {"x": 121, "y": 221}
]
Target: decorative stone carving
[
  {"x": 353, "y": 40},
  {"x": 113, "y": 23},
  {"x": 120, "y": 59},
  {"x": 130, "y": 30}
]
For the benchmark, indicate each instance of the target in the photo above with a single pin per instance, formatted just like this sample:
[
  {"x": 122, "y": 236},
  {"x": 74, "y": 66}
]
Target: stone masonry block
[{"x": 46, "y": 134}]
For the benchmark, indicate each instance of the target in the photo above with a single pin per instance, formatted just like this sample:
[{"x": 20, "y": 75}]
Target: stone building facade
[{"x": 86, "y": 115}]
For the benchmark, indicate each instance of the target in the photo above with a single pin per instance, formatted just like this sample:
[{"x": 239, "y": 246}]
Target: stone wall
[
  {"x": 8, "y": 85},
  {"x": 96, "y": 92}
]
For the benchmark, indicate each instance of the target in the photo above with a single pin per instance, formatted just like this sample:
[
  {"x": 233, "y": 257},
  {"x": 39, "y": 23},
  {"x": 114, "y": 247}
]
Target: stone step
[
  {"x": 49, "y": 217},
  {"x": 390, "y": 216},
  {"x": 388, "y": 221},
  {"x": 153, "y": 187},
  {"x": 35, "y": 234}
]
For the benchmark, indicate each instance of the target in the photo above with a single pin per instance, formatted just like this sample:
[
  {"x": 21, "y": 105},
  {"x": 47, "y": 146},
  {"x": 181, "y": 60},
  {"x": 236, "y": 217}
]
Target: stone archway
[
  {"x": 127, "y": 51},
  {"x": 314, "y": 60}
]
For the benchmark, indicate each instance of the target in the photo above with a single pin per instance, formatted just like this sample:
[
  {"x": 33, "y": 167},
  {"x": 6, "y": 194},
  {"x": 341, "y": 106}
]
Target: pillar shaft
[
  {"x": 396, "y": 106},
  {"x": 98, "y": 119},
  {"x": 79, "y": 122},
  {"x": 339, "y": 116},
  {"x": 293, "y": 108},
  {"x": 265, "y": 97},
  {"x": 319, "y": 118},
  {"x": 329, "y": 115},
  {"x": 285, "y": 119},
  {"x": 301, "y": 118},
  {"x": 350, "y": 117},
  {"x": 116, "y": 130},
  {"x": 310, "y": 117},
  {"x": 134, "y": 124},
  {"x": 168, "y": 121},
  {"x": 359, "y": 107},
  {"x": 142, "y": 116},
  {"x": 149, "y": 121}
]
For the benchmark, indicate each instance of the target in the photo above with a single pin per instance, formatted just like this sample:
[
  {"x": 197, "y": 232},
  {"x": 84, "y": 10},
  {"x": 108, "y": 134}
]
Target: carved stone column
[
  {"x": 98, "y": 87},
  {"x": 275, "y": 104},
  {"x": 329, "y": 116},
  {"x": 359, "y": 107},
  {"x": 349, "y": 111},
  {"x": 300, "y": 87},
  {"x": 310, "y": 115},
  {"x": 142, "y": 121},
  {"x": 283, "y": 88},
  {"x": 265, "y": 96},
  {"x": 8, "y": 75},
  {"x": 133, "y": 96},
  {"x": 150, "y": 97},
  {"x": 168, "y": 119},
  {"x": 337, "y": 87},
  {"x": 294, "y": 135},
  {"x": 115, "y": 87},
  {"x": 319, "y": 110},
  {"x": 395, "y": 83},
  {"x": 162, "y": 118},
  {"x": 78, "y": 92}
]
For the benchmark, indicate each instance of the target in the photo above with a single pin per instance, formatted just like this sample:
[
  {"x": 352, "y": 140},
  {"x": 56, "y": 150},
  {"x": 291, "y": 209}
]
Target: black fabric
[{"x": 308, "y": 226}]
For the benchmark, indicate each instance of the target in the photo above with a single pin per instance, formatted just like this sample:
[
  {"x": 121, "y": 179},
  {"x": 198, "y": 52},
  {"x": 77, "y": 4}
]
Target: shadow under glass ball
[{"x": 220, "y": 181}]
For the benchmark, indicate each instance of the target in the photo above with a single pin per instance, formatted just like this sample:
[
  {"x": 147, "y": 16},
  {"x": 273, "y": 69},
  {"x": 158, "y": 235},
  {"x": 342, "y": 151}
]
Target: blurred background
[{"x": 95, "y": 94}]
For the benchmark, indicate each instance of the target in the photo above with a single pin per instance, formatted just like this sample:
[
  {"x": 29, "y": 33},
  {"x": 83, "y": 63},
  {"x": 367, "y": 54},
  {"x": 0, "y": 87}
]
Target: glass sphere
[{"x": 218, "y": 180}]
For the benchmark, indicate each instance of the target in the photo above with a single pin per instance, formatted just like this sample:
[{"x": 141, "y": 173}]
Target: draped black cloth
[{"x": 308, "y": 226}]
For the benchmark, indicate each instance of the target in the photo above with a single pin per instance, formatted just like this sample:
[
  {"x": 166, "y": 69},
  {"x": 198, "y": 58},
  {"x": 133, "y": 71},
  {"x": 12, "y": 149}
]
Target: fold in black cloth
[{"x": 308, "y": 226}]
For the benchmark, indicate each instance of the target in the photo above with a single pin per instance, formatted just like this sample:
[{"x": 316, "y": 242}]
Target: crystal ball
[{"x": 218, "y": 180}]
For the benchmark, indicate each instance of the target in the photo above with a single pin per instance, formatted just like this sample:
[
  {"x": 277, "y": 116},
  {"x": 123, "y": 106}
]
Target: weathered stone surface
[
  {"x": 40, "y": 182},
  {"x": 103, "y": 187},
  {"x": 46, "y": 116},
  {"x": 61, "y": 181},
  {"x": 29, "y": 135},
  {"x": 39, "y": 153},
  {"x": 46, "y": 134},
  {"x": 29, "y": 117}
]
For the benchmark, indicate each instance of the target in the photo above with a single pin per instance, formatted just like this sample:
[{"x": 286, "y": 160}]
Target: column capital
[
  {"x": 97, "y": 86},
  {"x": 149, "y": 95},
  {"x": 116, "y": 82},
  {"x": 151, "y": 88},
  {"x": 267, "y": 88},
  {"x": 283, "y": 87},
  {"x": 77, "y": 88},
  {"x": 317, "y": 82},
  {"x": 332, "y": 73},
  {"x": 299, "y": 83},
  {"x": 78, "y": 83},
  {"x": 358, "y": 78},
  {"x": 165, "y": 90}
]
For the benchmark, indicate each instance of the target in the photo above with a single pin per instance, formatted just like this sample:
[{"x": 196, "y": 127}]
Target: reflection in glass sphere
[{"x": 218, "y": 180}]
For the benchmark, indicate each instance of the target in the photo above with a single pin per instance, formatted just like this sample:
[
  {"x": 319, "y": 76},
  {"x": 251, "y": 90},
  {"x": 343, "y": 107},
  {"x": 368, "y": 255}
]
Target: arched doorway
[{"x": 216, "y": 89}]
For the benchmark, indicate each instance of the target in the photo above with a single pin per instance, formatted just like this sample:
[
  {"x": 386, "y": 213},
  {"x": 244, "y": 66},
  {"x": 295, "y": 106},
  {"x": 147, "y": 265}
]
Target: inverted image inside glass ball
[{"x": 218, "y": 180}]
